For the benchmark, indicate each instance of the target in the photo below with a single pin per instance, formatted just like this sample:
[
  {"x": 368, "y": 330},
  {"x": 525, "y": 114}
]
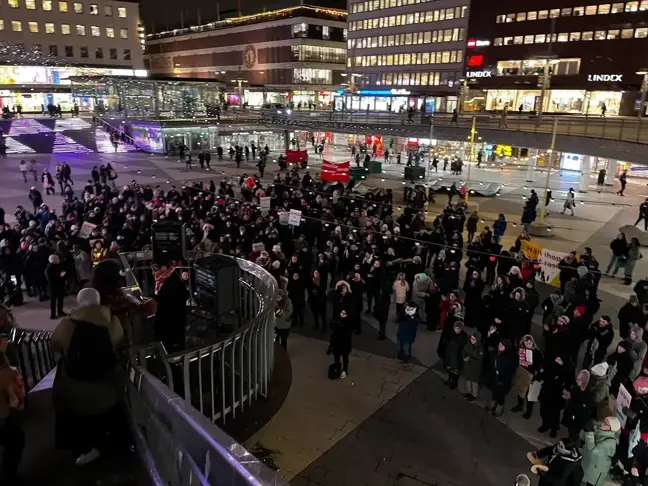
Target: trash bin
[{"x": 359, "y": 173}]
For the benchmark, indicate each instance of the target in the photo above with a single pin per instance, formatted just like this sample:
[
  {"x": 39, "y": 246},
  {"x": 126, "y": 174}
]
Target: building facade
[
  {"x": 406, "y": 53},
  {"x": 564, "y": 56},
  {"x": 296, "y": 54}
]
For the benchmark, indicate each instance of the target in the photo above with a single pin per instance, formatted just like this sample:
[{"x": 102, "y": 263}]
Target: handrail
[
  {"x": 31, "y": 352},
  {"x": 108, "y": 125}
]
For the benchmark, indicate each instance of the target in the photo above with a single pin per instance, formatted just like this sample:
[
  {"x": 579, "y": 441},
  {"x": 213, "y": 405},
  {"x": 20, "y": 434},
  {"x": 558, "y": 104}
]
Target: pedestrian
[
  {"x": 599, "y": 449},
  {"x": 453, "y": 360},
  {"x": 295, "y": 289},
  {"x": 473, "y": 359},
  {"x": 401, "y": 289},
  {"x": 638, "y": 350},
  {"x": 455, "y": 117},
  {"x": 643, "y": 214},
  {"x": 620, "y": 248},
  {"x": 630, "y": 314},
  {"x": 188, "y": 161},
  {"x": 557, "y": 373},
  {"x": 634, "y": 255},
  {"x": 341, "y": 341},
  {"x": 283, "y": 318},
  {"x": 56, "y": 286},
  {"x": 503, "y": 117},
  {"x": 36, "y": 198},
  {"x": 558, "y": 465},
  {"x": 499, "y": 228},
  {"x": 603, "y": 109},
  {"x": 24, "y": 168},
  {"x": 12, "y": 437},
  {"x": 48, "y": 182},
  {"x": 317, "y": 300},
  {"x": 408, "y": 322},
  {"x": 570, "y": 202},
  {"x": 623, "y": 179},
  {"x": 471, "y": 225},
  {"x": 421, "y": 289},
  {"x": 208, "y": 159},
  {"x": 501, "y": 376},
  {"x": 527, "y": 375},
  {"x": 578, "y": 407},
  {"x": 33, "y": 168}
]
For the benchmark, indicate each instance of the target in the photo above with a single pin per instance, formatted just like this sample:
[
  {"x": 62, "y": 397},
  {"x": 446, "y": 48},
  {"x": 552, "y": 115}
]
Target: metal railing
[{"x": 31, "y": 352}]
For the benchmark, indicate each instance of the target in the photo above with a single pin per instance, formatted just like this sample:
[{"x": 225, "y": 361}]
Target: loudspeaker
[
  {"x": 217, "y": 288},
  {"x": 169, "y": 238}
]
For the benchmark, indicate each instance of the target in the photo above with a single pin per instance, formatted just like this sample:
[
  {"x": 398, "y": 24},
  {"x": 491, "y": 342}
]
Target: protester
[
  {"x": 473, "y": 359},
  {"x": 283, "y": 318},
  {"x": 408, "y": 322},
  {"x": 12, "y": 437}
]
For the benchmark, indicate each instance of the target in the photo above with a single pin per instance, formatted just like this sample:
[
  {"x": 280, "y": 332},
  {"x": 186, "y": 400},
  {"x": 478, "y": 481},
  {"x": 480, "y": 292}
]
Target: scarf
[{"x": 161, "y": 276}]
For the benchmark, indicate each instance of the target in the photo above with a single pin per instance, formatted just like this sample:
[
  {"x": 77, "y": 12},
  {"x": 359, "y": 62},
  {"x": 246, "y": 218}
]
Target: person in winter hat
[
  {"x": 558, "y": 465},
  {"x": 473, "y": 359},
  {"x": 421, "y": 290},
  {"x": 518, "y": 315},
  {"x": 454, "y": 347},
  {"x": 502, "y": 369},
  {"x": 557, "y": 374},
  {"x": 529, "y": 359},
  {"x": 579, "y": 406},
  {"x": 283, "y": 318},
  {"x": 600, "y": 380},
  {"x": 630, "y": 313},
  {"x": 638, "y": 351},
  {"x": 408, "y": 323},
  {"x": 599, "y": 338},
  {"x": 620, "y": 366},
  {"x": 598, "y": 450}
]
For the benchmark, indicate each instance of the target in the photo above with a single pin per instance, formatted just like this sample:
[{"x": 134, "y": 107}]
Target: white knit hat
[
  {"x": 600, "y": 369},
  {"x": 614, "y": 423},
  {"x": 87, "y": 297}
]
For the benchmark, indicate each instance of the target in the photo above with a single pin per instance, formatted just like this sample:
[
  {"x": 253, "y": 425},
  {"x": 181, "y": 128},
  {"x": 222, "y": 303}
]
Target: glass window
[
  {"x": 326, "y": 32},
  {"x": 554, "y": 13},
  {"x": 33, "y": 27},
  {"x": 500, "y": 19},
  {"x": 539, "y": 39},
  {"x": 1, "y": 24},
  {"x": 99, "y": 53},
  {"x": 53, "y": 50},
  {"x": 627, "y": 33},
  {"x": 78, "y": 7},
  {"x": 520, "y": 17},
  {"x": 123, "y": 33},
  {"x": 113, "y": 53},
  {"x": 445, "y": 57},
  {"x": 83, "y": 51},
  {"x": 37, "y": 48},
  {"x": 565, "y": 12},
  {"x": 63, "y": 6},
  {"x": 532, "y": 15},
  {"x": 94, "y": 10},
  {"x": 579, "y": 11},
  {"x": 447, "y": 35},
  {"x": 587, "y": 36},
  {"x": 408, "y": 39},
  {"x": 30, "y": 4},
  {"x": 641, "y": 33},
  {"x": 510, "y": 18},
  {"x": 617, "y": 8},
  {"x": 604, "y": 9},
  {"x": 543, "y": 14},
  {"x": 95, "y": 31},
  {"x": 643, "y": 5},
  {"x": 590, "y": 10},
  {"x": 528, "y": 39},
  {"x": 69, "y": 51},
  {"x": 497, "y": 41},
  {"x": 47, "y": 5},
  {"x": 110, "y": 32},
  {"x": 80, "y": 29},
  {"x": 613, "y": 34},
  {"x": 65, "y": 29},
  {"x": 108, "y": 10},
  {"x": 518, "y": 39},
  {"x": 508, "y": 41},
  {"x": 632, "y": 6},
  {"x": 574, "y": 36},
  {"x": 16, "y": 25},
  {"x": 599, "y": 35},
  {"x": 13, "y": 3},
  {"x": 563, "y": 37},
  {"x": 121, "y": 12},
  {"x": 49, "y": 28}
]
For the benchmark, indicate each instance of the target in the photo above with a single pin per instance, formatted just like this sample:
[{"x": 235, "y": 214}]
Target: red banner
[
  {"x": 340, "y": 172},
  {"x": 295, "y": 156}
]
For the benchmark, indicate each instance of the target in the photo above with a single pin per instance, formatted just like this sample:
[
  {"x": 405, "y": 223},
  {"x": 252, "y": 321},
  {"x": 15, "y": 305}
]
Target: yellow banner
[{"x": 531, "y": 250}]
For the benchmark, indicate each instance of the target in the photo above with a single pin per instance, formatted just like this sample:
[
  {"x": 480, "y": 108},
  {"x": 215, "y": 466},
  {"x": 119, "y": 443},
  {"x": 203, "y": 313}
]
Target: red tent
[{"x": 336, "y": 172}]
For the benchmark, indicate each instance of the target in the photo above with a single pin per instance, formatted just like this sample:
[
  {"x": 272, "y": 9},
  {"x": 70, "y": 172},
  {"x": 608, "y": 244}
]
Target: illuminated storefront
[{"x": 556, "y": 101}]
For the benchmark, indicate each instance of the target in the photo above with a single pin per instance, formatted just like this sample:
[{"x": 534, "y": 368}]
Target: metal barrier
[{"x": 31, "y": 352}]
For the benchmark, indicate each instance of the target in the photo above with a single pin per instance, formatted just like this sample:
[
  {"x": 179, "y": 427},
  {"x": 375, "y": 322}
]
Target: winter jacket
[
  {"x": 638, "y": 351},
  {"x": 341, "y": 336},
  {"x": 600, "y": 446},
  {"x": 619, "y": 247},
  {"x": 407, "y": 327},
  {"x": 629, "y": 314},
  {"x": 83, "y": 266},
  {"x": 578, "y": 408},
  {"x": 564, "y": 470},
  {"x": 621, "y": 366},
  {"x": 599, "y": 339},
  {"x": 499, "y": 227},
  {"x": 473, "y": 358},
  {"x": 400, "y": 289},
  {"x": 6, "y": 379},
  {"x": 422, "y": 285},
  {"x": 282, "y": 320},
  {"x": 453, "y": 350}
]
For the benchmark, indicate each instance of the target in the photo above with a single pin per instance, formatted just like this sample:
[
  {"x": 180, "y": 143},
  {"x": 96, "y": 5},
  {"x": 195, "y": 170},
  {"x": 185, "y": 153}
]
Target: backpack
[
  {"x": 16, "y": 391},
  {"x": 90, "y": 355},
  {"x": 334, "y": 371}
]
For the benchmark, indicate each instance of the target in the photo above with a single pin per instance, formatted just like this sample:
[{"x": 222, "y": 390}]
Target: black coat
[
  {"x": 341, "y": 336},
  {"x": 455, "y": 344},
  {"x": 171, "y": 315},
  {"x": 629, "y": 314}
]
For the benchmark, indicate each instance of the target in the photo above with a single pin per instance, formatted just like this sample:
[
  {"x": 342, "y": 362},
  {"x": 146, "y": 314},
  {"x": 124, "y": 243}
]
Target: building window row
[
  {"x": 443, "y": 78},
  {"x": 372, "y": 5},
  {"x": 536, "y": 67},
  {"x": 319, "y": 54},
  {"x": 312, "y": 76},
  {"x": 64, "y": 6},
  {"x": 603, "y": 9},
  {"x": 50, "y": 28},
  {"x": 409, "y": 19},
  {"x": 611, "y": 34},
  {"x": 439, "y": 57},
  {"x": 84, "y": 52},
  {"x": 431, "y": 37}
]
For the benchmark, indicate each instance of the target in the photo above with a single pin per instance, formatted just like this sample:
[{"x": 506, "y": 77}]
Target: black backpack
[{"x": 90, "y": 356}]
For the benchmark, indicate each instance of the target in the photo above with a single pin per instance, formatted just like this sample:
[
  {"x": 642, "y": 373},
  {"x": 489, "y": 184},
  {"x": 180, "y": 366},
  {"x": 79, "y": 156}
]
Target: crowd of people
[{"x": 350, "y": 255}]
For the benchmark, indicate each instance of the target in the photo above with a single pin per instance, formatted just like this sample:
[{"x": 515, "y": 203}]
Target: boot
[{"x": 499, "y": 410}]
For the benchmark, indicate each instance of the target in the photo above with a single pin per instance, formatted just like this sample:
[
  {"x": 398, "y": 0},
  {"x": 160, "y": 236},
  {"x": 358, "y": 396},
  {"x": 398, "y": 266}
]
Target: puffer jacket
[
  {"x": 473, "y": 358},
  {"x": 400, "y": 288}
]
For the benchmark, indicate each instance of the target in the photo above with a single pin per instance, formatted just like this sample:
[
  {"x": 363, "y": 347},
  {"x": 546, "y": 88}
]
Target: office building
[
  {"x": 405, "y": 53},
  {"x": 294, "y": 55},
  {"x": 565, "y": 57}
]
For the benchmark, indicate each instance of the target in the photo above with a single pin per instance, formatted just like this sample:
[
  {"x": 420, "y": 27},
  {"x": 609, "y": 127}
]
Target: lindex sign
[{"x": 608, "y": 78}]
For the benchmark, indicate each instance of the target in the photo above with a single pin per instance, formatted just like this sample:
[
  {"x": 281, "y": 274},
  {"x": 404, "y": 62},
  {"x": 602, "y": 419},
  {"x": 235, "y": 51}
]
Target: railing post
[
  {"x": 639, "y": 127},
  {"x": 621, "y": 129}
]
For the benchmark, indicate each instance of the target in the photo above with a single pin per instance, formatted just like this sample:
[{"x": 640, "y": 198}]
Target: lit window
[
  {"x": 99, "y": 53},
  {"x": 563, "y": 37},
  {"x": 554, "y": 13},
  {"x": 528, "y": 39},
  {"x": 49, "y": 28},
  {"x": 16, "y": 26},
  {"x": 508, "y": 41},
  {"x": 108, "y": 10},
  {"x": 532, "y": 15},
  {"x": 518, "y": 39},
  {"x": 632, "y": 6},
  {"x": 510, "y": 18},
  {"x": 83, "y": 51},
  {"x": 53, "y": 50},
  {"x": 14, "y": 3},
  {"x": 63, "y": 6},
  {"x": 604, "y": 9},
  {"x": 30, "y": 4},
  {"x": 65, "y": 29},
  {"x": 613, "y": 34},
  {"x": 94, "y": 10},
  {"x": 565, "y": 12},
  {"x": 81, "y": 30},
  {"x": 543, "y": 14},
  {"x": 627, "y": 33},
  {"x": 47, "y": 5},
  {"x": 574, "y": 36},
  {"x": 590, "y": 10},
  {"x": 497, "y": 41},
  {"x": 33, "y": 27},
  {"x": 326, "y": 32},
  {"x": 617, "y": 8},
  {"x": 69, "y": 51},
  {"x": 78, "y": 7},
  {"x": 1, "y": 24},
  {"x": 126, "y": 55},
  {"x": 579, "y": 11},
  {"x": 113, "y": 53},
  {"x": 643, "y": 5},
  {"x": 587, "y": 36},
  {"x": 641, "y": 33},
  {"x": 95, "y": 31},
  {"x": 521, "y": 17},
  {"x": 110, "y": 32},
  {"x": 599, "y": 35},
  {"x": 500, "y": 19},
  {"x": 540, "y": 38}
]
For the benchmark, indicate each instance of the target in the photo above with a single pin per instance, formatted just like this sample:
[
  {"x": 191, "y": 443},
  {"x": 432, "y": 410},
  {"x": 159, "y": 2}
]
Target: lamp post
[
  {"x": 470, "y": 156},
  {"x": 644, "y": 88},
  {"x": 546, "y": 81}
]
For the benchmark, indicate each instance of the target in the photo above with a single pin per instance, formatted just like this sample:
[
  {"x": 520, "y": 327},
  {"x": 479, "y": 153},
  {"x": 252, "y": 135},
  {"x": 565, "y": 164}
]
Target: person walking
[
  {"x": 283, "y": 318},
  {"x": 408, "y": 322},
  {"x": 619, "y": 247},
  {"x": 471, "y": 225},
  {"x": 33, "y": 168},
  {"x": 623, "y": 179},
  {"x": 341, "y": 341},
  {"x": 455, "y": 117},
  {"x": 570, "y": 202},
  {"x": 643, "y": 214},
  {"x": 603, "y": 110},
  {"x": 56, "y": 282},
  {"x": 634, "y": 255},
  {"x": 48, "y": 182},
  {"x": 503, "y": 118},
  {"x": 472, "y": 355},
  {"x": 24, "y": 169}
]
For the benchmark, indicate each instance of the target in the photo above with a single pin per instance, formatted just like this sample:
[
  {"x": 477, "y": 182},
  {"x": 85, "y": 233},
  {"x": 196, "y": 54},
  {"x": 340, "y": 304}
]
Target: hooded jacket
[
  {"x": 600, "y": 382},
  {"x": 473, "y": 357},
  {"x": 638, "y": 350},
  {"x": 454, "y": 347},
  {"x": 407, "y": 327},
  {"x": 578, "y": 408},
  {"x": 598, "y": 451}
]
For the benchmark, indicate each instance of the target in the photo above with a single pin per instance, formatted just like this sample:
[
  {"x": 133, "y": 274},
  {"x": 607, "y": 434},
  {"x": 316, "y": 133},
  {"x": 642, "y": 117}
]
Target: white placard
[
  {"x": 86, "y": 230},
  {"x": 264, "y": 202},
  {"x": 283, "y": 218},
  {"x": 294, "y": 218},
  {"x": 622, "y": 401}
]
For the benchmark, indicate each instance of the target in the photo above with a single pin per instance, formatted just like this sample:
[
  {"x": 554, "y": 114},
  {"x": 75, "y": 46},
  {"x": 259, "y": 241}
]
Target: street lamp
[{"x": 644, "y": 88}]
